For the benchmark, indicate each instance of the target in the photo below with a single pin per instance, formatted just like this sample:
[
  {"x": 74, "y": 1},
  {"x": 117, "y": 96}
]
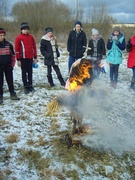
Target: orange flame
[{"x": 78, "y": 74}]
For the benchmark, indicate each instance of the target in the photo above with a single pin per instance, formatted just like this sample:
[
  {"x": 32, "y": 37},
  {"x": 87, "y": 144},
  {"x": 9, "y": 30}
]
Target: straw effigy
[{"x": 52, "y": 108}]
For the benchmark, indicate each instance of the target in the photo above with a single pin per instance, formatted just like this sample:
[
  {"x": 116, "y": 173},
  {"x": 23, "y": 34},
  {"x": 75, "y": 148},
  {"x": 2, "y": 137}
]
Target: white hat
[{"x": 94, "y": 31}]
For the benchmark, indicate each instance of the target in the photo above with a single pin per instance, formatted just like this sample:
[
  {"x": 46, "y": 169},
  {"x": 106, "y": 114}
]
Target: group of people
[
  {"x": 26, "y": 54},
  {"x": 96, "y": 50}
]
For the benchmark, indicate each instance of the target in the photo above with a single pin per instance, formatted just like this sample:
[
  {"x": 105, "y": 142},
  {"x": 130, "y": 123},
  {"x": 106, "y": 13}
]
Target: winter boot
[
  {"x": 26, "y": 90},
  {"x": 31, "y": 88},
  {"x": 1, "y": 98},
  {"x": 13, "y": 96},
  {"x": 111, "y": 83},
  {"x": 132, "y": 86},
  {"x": 62, "y": 82},
  {"x": 114, "y": 84},
  {"x": 50, "y": 80}
]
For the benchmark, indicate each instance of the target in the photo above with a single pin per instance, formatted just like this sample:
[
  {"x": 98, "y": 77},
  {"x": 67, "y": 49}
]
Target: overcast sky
[{"x": 122, "y": 10}]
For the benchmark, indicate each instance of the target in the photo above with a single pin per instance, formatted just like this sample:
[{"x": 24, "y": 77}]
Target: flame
[{"x": 78, "y": 74}]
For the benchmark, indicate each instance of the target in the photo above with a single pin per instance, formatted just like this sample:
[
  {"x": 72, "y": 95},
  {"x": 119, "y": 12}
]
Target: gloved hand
[
  {"x": 115, "y": 38},
  {"x": 110, "y": 38}
]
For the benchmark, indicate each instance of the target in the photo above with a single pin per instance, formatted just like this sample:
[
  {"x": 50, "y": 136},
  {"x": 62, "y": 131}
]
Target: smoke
[{"x": 109, "y": 117}]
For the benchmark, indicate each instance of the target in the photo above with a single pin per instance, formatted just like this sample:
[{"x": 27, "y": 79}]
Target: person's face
[
  {"x": 25, "y": 31},
  {"x": 2, "y": 37},
  {"x": 95, "y": 36},
  {"x": 116, "y": 33},
  {"x": 50, "y": 34},
  {"x": 77, "y": 27}
]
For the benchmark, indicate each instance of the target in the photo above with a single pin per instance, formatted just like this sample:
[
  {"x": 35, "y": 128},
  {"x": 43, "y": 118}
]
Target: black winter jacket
[
  {"x": 47, "y": 51},
  {"x": 100, "y": 48},
  {"x": 6, "y": 52},
  {"x": 76, "y": 44}
]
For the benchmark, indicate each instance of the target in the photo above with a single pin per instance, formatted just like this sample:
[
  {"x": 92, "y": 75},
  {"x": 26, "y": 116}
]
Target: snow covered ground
[{"x": 30, "y": 143}]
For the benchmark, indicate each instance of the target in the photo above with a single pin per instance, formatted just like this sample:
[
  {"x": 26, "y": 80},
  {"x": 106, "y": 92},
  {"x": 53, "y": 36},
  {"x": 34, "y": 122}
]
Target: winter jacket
[
  {"x": 114, "y": 55},
  {"x": 131, "y": 49},
  {"x": 25, "y": 47},
  {"x": 100, "y": 50},
  {"x": 76, "y": 44},
  {"x": 49, "y": 49},
  {"x": 7, "y": 55}
]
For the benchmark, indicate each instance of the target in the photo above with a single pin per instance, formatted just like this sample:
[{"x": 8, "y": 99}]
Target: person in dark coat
[
  {"x": 7, "y": 62},
  {"x": 76, "y": 44},
  {"x": 131, "y": 59},
  {"x": 96, "y": 50},
  {"x": 49, "y": 49}
]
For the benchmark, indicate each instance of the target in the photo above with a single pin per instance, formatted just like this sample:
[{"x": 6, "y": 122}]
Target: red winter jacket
[
  {"x": 25, "y": 47},
  {"x": 131, "y": 56}
]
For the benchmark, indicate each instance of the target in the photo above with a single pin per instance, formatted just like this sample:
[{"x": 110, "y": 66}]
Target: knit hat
[
  {"x": 94, "y": 31},
  {"x": 48, "y": 29},
  {"x": 116, "y": 28},
  {"x": 79, "y": 23},
  {"x": 24, "y": 25},
  {"x": 2, "y": 31}
]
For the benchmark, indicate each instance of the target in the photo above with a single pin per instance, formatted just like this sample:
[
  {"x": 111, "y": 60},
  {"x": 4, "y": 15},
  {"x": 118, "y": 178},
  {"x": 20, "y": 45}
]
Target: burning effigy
[{"x": 81, "y": 75}]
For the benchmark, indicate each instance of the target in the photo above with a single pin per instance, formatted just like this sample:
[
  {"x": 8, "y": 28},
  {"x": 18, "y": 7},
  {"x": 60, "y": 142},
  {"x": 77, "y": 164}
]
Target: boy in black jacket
[
  {"x": 7, "y": 62},
  {"x": 76, "y": 44}
]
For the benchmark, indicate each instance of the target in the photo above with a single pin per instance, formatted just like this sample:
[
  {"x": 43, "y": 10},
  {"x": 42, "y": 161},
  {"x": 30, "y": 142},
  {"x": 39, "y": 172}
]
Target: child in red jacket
[
  {"x": 131, "y": 59},
  {"x": 7, "y": 62},
  {"x": 26, "y": 55}
]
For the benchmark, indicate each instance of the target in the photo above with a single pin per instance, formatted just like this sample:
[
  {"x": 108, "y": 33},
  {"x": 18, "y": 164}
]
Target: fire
[{"x": 78, "y": 74}]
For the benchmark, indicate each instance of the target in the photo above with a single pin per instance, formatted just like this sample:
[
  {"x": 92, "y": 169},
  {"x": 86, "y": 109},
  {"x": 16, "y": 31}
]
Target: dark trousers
[
  {"x": 27, "y": 71},
  {"x": 133, "y": 69},
  {"x": 114, "y": 72},
  {"x": 56, "y": 69},
  {"x": 8, "y": 71}
]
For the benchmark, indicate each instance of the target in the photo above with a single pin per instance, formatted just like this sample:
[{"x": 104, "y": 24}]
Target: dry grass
[
  {"x": 12, "y": 138},
  {"x": 3, "y": 123},
  {"x": 5, "y": 173},
  {"x": 30, "y": 142},
  {"x": 34, "y": 158},
  {"x": 82, "y": 158}
]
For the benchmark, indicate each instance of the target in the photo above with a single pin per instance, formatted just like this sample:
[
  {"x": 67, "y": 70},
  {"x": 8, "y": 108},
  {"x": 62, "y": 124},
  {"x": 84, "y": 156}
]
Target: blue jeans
[
  {"x": 96, "y": 69},
  {"x": 114, "y": 72},
  {"x": 71, "y": 61},
  {"x": 133, "y": 71}
]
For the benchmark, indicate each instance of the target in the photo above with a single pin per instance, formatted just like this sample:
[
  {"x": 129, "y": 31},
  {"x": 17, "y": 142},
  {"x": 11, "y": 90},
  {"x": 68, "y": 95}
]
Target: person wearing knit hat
[
  {"x": 78, "y": 23},
  {"x": 94, "y": 32},
  {"x": 48, "y": 29},
  {"x": 116, "y": 28},
  {"x": 115, "y": 45},
  {"x": 26, "y": 55},
  {"x": 2, "y": 31},
  {"x": 96, "y": 50},
  {"x": 24, "y": 25},
  {"x": 76, "y": 43},
  {"x": 49, "y": 49},
  {"x": 7, "y": 62}
]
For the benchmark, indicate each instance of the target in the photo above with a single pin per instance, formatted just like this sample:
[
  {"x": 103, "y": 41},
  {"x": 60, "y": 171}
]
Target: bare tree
[
  {"x": 3, "y": 7},
  {"x": 42, "y": 13},
  {"x": 98, "y": 17}
]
